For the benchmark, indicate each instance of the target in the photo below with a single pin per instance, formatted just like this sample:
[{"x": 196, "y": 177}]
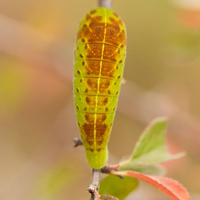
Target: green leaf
[
  {"x": 151, "y": 147},
  {"x": 157, "y": 170},
  {"x": 118, "y": 187},
  {"x": 53, "y": 181}
]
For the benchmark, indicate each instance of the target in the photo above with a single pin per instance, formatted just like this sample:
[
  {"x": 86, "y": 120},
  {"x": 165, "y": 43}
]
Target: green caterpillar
[{"x": 99, "y": 61}]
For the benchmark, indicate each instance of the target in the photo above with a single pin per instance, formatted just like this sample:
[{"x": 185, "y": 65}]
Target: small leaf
[
  {"x": 151, "y": 147},
  {"x": 107, "y": 197},
  {"x": 156, "y": 170},
  {"x": 167, "y": 185},
  {"x": 117, "y": 187}
]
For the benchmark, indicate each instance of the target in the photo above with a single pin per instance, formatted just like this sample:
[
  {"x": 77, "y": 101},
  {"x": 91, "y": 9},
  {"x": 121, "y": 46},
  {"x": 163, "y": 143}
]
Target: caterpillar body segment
[{"x": 98, "y": 70}]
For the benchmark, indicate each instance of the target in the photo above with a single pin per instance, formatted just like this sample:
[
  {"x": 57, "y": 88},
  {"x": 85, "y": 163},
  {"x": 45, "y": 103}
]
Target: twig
[
  {"x": 110, "y": 168},
  {"x": 77, "y": 142},
  {"x": 105, "y": 3},
  {"x": 94, "y": 187}
]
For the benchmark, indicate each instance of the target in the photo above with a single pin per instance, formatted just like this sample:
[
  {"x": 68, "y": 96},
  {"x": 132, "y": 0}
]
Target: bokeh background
[{"x": 37, "y": 116}]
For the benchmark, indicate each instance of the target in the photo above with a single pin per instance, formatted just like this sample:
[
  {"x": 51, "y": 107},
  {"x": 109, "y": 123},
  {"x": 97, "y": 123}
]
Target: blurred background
[{"x": 37, "y": 116}]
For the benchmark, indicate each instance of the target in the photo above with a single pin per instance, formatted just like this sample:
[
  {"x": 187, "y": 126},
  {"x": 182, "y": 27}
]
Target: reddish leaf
[{"x": 167, "y": 185}]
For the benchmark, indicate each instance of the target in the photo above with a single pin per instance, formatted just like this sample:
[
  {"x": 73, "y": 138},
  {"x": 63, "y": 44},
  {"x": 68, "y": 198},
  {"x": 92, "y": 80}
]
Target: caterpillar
[{"x": 98, "y": 70}]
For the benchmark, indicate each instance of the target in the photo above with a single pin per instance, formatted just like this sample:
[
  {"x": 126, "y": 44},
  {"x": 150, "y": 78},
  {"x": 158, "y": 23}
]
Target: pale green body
[{"x": 99, "y": 61}]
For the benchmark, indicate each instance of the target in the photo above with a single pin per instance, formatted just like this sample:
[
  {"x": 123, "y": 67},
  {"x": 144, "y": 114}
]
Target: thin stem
[
  {"x": 119, "y": 173},
  {"x": 77, "y": 142},
  {"x": 94, "y": 187},
  {"x": 105, "y": 3}
]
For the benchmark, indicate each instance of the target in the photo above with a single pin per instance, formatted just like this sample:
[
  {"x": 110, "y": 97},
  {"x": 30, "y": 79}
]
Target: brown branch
[
  {"x": 77, "y": 142},
  {"x": 105, "y": 3},
  {"x": 94, "y": 187}
]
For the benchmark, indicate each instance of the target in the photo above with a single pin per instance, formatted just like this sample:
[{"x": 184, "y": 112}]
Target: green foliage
[
  {"x": 151, "y": 147},
  {"x": 12, "y": 85},
  {"x": 157, "y": 170},
  {"x": 118, "y": 187},
  {"x": 150, "y": 150},
  {"x": 53, "y": 181},
  {"x": 187, "y": 39}
]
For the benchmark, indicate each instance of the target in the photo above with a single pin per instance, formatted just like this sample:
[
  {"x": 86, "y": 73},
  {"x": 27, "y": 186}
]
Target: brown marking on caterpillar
[
  {"x": 88, "y": 131},
  {"x": 105, "y": 101},
  {"x": 104, "y": 117},
  {"x": 101, "y": 132},
  {"x": 95, "y": 31},
  {"x": 99, "y": 149},
  {"x": 87, "y": 117},
  {"x": 88, "y": 128},
  {"x": 99, "y": 30},
  {"x": 91, "y": 101},
  {"x": 108, "y": 69},
  {"x": 93, "y": 12},
  {"x": 99, "y": 18},
  {"x": 100, "y": 143},
  {"x": 87, "y": 99},
  {"x": 104, "y": 85},
  {"x": 88, "y": 17},
  {"x": 122, "y": 36},
  {"x": 94, "y": 50},
  {"x": 93, "y": 66},
  {"x": 91, "y": 143},
  {"x": 112, "y": 19},
  {"x": 110, "y": 52},
  {"x": 93, "y": 23},
  {"x": 101, "y": 118},
  {"x": 113, "y": 32},
  {"x": 93, "y": 83},
  {"x": 92, "y": 150},
  {"x": 116, "y": 15}
]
